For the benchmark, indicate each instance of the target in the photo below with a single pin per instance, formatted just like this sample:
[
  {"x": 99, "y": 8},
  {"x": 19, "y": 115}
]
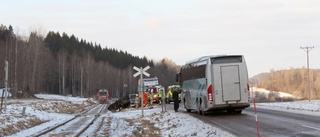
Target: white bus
[{"x": 215, "y": 83}]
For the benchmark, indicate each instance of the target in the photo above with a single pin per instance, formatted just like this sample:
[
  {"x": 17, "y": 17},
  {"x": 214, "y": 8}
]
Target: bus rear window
[{"x": 226, "y": 59}]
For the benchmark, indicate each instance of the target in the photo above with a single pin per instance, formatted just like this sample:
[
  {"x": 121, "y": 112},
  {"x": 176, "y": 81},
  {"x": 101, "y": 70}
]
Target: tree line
[
  {"x": 62, "y": 64},
  {"x": 293, "y": 81}
]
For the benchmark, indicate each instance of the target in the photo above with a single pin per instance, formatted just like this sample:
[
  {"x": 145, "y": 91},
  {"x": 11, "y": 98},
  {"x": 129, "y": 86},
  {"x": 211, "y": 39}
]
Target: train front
[{"x": 102, "y": 96}]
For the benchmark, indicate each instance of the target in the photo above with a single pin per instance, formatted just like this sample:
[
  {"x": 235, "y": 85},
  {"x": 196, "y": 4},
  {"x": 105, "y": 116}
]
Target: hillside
[
  {"x": 66, "y": 65},
  {"x": 293, "y": 81}
]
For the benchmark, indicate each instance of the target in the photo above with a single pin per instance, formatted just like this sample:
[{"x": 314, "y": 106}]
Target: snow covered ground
[
  {"x": 52, "y": 109},
  {"x": 266, "y": 92},
  {"x": 312, "y": 106}
]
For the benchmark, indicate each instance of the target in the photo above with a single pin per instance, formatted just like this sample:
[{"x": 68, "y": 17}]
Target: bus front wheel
[
  {"x": 185, "y": 106},
  {"x": 199, "y": 108}
]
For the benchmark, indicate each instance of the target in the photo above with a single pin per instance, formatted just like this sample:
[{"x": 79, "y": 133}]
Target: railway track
[
  {"x": 76, "y": 125},
  {"x": 91, "y": 122}
]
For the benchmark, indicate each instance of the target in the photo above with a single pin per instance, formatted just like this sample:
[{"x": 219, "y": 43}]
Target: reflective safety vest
[
  {"x": 150, "y": 96},
  {"x": 137, "y": 100},
  {"x": 159, "y": 94},
  {"x": 169, "y": 95}
]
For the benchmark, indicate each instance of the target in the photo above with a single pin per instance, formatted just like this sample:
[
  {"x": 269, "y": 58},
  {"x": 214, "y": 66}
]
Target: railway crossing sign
[{"x": 141, "y": 71}]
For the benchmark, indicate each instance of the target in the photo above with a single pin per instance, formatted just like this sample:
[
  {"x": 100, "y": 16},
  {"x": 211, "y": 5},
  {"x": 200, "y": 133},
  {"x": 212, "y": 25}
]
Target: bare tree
[{"x": 35, "y": 41}]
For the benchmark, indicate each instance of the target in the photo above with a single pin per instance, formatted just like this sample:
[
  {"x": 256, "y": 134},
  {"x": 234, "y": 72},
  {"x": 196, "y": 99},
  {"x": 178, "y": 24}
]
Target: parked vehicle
[
  {"x": 213, "y": 83},
  {"x": 169, "y": 93},
  {"x": 150, "y": 82},
  {"x": 154, "y": 90}
]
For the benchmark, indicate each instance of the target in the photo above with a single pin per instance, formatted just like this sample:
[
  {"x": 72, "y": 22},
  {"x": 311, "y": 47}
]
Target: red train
[{"x": 103, "y": 95}]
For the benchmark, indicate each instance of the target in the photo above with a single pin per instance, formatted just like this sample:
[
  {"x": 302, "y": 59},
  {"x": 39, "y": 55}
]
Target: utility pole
[{"x": 307, "y": 49}]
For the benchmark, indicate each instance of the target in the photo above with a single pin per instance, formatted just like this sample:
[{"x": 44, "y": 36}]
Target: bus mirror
[{"x": 178, "y": 77}]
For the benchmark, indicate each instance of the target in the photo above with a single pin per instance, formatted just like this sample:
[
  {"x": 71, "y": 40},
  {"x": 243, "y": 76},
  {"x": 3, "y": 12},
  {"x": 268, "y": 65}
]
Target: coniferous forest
[{"x": 61, "y": 64}]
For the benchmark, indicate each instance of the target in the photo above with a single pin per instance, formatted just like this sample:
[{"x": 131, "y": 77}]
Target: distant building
[{"x": 1, "y": 92}]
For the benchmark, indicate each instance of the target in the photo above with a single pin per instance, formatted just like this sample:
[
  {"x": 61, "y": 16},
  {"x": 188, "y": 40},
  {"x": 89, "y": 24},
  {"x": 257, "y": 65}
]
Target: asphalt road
[{"x": 271, "y": 123}]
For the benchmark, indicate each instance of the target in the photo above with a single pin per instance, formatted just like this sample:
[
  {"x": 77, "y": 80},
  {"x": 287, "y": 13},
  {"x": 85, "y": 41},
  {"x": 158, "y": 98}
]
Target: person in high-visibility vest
[
  {"x": 169, "y": 97},
  {"x": 137, "y": 101},
  {"x": 160, "y": 96},
  {"x": 150, "y": 98},
  {"x": 145, "y": 97}
]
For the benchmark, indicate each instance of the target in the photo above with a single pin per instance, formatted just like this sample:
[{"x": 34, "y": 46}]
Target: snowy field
[
  {"x": 266, "y": 92},
  {"x": 52, "y": 109},
  {"x": 312, "y": 106}
]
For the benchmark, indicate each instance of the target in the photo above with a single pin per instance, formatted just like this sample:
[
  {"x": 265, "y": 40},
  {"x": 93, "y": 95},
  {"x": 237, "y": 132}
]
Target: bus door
[{"x": 230, "y": 80}]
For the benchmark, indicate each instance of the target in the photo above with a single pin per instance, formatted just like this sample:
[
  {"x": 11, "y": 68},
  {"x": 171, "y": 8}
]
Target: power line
[{"x": 307, "y": 49}]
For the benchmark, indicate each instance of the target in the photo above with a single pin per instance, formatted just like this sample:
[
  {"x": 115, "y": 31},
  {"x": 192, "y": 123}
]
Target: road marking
[
  {"x": 311, "y": 127},
  {"x": 249, "y": 114},
  {"x": 230, "y": 129}
]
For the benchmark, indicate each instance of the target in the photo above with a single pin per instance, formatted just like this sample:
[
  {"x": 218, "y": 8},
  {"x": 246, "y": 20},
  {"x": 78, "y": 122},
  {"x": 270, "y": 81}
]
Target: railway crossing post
[
  {"x": 5, "y": 92},
  {"x": 163, "y": 99},
  {"x": 141, "y": 72}
]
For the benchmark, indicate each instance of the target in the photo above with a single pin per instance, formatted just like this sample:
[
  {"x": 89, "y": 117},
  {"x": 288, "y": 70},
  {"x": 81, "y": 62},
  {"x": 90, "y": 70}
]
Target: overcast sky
[{"x": 269, "y": 33}]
